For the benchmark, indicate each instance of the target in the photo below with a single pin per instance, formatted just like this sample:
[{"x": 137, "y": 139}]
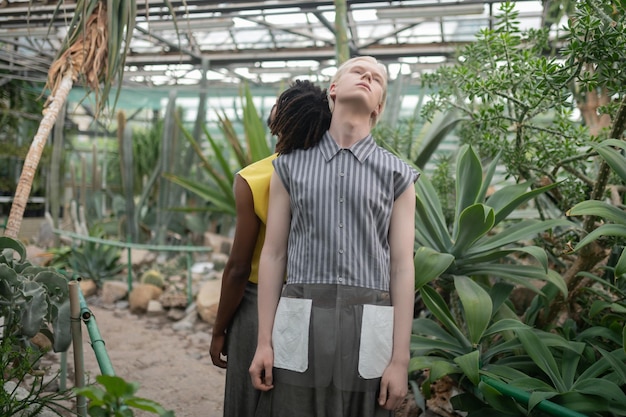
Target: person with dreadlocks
[
  {"x": 235, "y": 329},
  {"x": 334, "y": 340}
]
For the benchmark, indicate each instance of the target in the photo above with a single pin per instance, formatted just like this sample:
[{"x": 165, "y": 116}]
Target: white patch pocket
[
  {"x": 290, "y": 335},
  {"x": 376, "y": 340}
]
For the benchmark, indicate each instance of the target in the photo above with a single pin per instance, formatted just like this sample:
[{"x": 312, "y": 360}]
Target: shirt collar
[{"x": 361, "y": 149}]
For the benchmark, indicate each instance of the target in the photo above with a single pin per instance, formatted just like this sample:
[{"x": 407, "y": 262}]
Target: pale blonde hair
[{"x": 343, "y": 68}]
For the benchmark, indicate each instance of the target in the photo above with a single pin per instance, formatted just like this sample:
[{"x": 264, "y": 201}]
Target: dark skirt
[{"x": 240, "y": 397}]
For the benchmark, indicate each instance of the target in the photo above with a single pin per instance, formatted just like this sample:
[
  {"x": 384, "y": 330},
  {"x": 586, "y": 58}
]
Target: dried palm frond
[{"x": 95, "y": 47}]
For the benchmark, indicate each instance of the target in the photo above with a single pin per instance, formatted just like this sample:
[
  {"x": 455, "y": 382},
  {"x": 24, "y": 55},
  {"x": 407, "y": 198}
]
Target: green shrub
[{"x": 116, "y": 398}]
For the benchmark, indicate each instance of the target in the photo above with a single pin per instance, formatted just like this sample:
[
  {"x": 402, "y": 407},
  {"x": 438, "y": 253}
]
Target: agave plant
[
  {"x": 479, "y": 243},
  {"x": 415, "y": 141},
  {"x": 489, "y": 345},
  {"x": 220, "y": 167}
]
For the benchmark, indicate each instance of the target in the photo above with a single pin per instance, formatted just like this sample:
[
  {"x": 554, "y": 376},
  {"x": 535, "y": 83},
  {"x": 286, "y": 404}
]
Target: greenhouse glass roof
[{"x": 261, "y": 42}]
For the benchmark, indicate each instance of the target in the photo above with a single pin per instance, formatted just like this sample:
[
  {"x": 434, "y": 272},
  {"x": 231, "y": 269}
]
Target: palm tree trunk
[
  {"x": 342, "y": 48},
  {"x": 14, "y": 222}
]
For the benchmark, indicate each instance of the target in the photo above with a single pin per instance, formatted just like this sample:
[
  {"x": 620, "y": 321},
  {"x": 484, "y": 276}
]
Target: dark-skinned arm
[{"x": 237, "y": 269}]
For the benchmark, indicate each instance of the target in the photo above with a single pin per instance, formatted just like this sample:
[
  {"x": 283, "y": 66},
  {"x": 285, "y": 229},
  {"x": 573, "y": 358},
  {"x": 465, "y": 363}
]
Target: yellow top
[{"x": 258, "y": 176}]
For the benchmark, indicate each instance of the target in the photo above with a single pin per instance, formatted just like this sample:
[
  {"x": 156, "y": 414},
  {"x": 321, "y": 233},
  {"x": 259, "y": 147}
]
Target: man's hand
[
  {"x": 393, "y": 386},
  {"x": 218, "y": 348},
  {"x": 261, "y": 369}
]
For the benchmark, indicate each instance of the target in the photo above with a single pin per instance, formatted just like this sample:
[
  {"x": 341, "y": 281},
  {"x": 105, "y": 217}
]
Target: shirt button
[
  {"x": 341, "y": 174},
  {"x": 340, "y": 279},
  {"x": 341, "y": 200},
  {"x": 340, "y": 250},
  {"x": 340, "y": 225}
]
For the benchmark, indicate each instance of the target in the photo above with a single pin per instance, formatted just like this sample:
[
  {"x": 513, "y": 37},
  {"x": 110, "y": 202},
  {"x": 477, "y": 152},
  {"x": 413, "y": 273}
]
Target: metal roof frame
[{"x": 283, "y": 36}]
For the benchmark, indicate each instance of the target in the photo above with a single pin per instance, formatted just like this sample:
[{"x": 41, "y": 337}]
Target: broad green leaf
[
  {"x": 615, "y": 361},
  {"x": 491, "y": 170},
  {"x": 476, "y": 306},
  {"x": 507, "y": 199},
  {"x": 117, "y": 386},
  {"x": 618, "y": 143},
  {"x": 429, "y": 264},
  {"x": 600, "y": 209},
  {"x": 470, "y": 365},
  {"x": 429, "y": 328},
  {"x": 437, "y": 306},
  {"x": 434, "y": 136},
  {"x": 620, "y": 266},
  {"x": 542, "y": 356},
  {"x": 505, "y": 195},
  {"x": 604, "y": 230},
  {"x": 427, "y": 231},
  {"x": 499, "y": 293},
  {"x": 536, "y": 252},
  {"x": 430, "y": 220},
  {"x": 495, "y": 399},
  {"x": 569, "y": 362},
  {"x": 423, "y": 345},
  {"x": 527, "y": 383},
  {"x": 505, "y": 325},
  {"x": 614, "y": 159},
  {"x": 34, "y": 311},
  {"x": 537, "y": 397},
  {"x": 93, "y": 393},
  {"x": 557, "y": 280},
  {"x": 61, "y": 325},
  {"x": 502, "y": 372},
  {"x": 493, "y": 256},
  {"x": 583, "y": 403},
  {"x": 56, "y": 284},
  {"x": 146, "y": 405},
  {"x": 601, "y": 388},
  {"x": 519, "y": 273},
  {"x": 506, "y": 348},
  {"x": 597, "y": 332},
  {"x": 513, "y": 234},
  {"x": 418, "y": 363},
  {"x": 8, "y": 276},
  {"x": 474, "y": 222},
  {"x": 440, "y": 368},
  {"x": 469, "y": 179},
  {"x": 16, "y": 245}
]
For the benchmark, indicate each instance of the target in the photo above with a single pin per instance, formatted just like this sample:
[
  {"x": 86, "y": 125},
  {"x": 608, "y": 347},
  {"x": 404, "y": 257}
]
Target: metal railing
[{"x": 188, "y": 250}]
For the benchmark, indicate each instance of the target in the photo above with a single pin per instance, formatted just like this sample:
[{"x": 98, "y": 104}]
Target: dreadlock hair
[{"x": 302, "y": 117}]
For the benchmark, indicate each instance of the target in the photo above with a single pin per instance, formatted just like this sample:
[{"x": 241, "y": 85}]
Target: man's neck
[{"x": 347, "y": 129}]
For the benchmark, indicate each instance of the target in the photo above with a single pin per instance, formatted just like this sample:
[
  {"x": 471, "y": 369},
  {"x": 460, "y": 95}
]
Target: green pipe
[
  {"x": 97, "y": 344},
  {"x": 129, "y": 268},
  {"x": 524, "y": 398},
  {"x": 77, "y": 343},
  {"x": 189, "y": 280},
  {"x": 118, "y": 244},
  {"x": 128, "y": 246}
]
